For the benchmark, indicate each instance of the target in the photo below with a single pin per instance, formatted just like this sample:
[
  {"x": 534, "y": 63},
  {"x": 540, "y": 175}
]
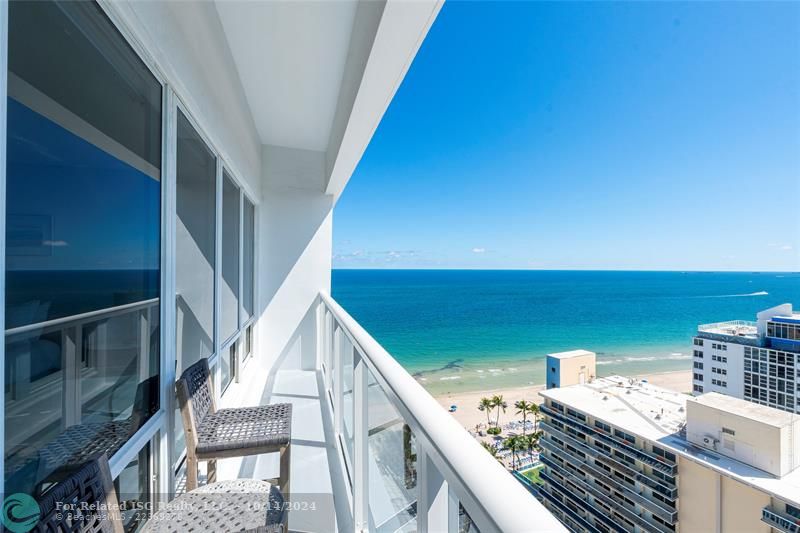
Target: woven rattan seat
[
  {"x": 250, "y": 429},
  {"x": 236, "y": 505},
  {"x": 213, "y": 434}
]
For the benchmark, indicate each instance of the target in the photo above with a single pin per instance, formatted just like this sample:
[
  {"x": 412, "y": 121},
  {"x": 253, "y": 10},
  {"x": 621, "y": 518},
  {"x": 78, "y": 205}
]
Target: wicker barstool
[{"x": 213, "y": 434}]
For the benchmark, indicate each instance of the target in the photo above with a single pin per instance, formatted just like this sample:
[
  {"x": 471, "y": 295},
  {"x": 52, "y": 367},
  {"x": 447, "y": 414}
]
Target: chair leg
[
  {"x": 191, "y": 473},
  {"x": 283, "y": 481},
  {"x": 212, "y": 471}
]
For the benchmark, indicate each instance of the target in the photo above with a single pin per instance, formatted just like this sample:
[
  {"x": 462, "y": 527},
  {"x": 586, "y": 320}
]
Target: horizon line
[{"x": 511, "y": 269}]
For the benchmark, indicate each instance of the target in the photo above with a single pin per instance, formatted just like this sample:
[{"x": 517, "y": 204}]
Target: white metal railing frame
[
  {"x": 727, "y": 324},
  {"x": 452, "y": 467}
]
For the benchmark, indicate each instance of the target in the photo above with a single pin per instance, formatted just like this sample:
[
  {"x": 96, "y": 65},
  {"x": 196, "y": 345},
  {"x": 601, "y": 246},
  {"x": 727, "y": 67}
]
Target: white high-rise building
[{"x": 756, "y": 361}]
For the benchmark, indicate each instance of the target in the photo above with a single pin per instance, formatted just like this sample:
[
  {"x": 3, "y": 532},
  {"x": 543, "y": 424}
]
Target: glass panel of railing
[
  {"x": 465, "y": 523},
  {"x": 347, "y": 399},
  {"x": 327, "y": 350},
  {"x": 336, "y": 366},
  {"x": 392, "y": 465}
]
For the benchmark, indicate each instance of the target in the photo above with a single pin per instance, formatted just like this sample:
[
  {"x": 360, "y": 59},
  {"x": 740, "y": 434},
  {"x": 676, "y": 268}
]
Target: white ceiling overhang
[{"x": 318, "y": 76}]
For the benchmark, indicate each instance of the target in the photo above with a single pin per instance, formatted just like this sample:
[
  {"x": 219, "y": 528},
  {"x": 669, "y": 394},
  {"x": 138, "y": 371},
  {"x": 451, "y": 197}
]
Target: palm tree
[
  {"x": 486, "y": 405},
  {"x": 523, "y": 408},
  {"x": 492, "y": 450},
  {"x": 514, "y": 444},
  {"x": 498, "y": 403},
  {"x": 489, "y": 448},
  {"x": 534, "y": 410}
]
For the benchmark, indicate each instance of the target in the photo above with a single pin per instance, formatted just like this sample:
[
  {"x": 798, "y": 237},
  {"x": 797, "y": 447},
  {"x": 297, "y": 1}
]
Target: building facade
[
  {"x": 622, "y": 455},
  {"x": 756, "y": 361},
  {"x": 570, "y": 368}
]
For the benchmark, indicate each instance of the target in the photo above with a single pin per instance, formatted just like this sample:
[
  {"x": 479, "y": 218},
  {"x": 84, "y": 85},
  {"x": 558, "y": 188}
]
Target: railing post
[
  {"x": 434, "y": 497},
  {"x": 337, "y": 383},
  {"x": 360, "y": 445},
  {"x": 453, "y": 525},
  {"x": 71, "y": 338}
]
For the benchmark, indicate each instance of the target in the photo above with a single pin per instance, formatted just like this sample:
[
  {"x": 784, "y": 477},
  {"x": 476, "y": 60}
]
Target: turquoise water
[{"x": 458, "y": 330}]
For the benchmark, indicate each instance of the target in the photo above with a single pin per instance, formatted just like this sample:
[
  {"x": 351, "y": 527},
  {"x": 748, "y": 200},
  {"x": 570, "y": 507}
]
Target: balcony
[
  {"x": 781, "y": 522},
  {"x": 591, "y": 470},
  {"x": 608, "y": 460},
  {"x": 599, "y": 514},
  {"x": 602, "y": 495},
  {"x": 569, "y": 512},
  {"x": 406, "y": 461}
]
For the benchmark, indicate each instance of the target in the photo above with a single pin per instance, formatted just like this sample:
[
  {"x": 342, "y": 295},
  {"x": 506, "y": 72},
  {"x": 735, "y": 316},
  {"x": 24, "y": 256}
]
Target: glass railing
[
  {"x": 784, "y": 523},
  {"x": 411, "y": 466}
]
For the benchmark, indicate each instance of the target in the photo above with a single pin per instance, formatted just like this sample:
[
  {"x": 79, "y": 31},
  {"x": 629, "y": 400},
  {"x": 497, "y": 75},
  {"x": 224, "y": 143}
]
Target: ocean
[{"x": 468, "y": 330}]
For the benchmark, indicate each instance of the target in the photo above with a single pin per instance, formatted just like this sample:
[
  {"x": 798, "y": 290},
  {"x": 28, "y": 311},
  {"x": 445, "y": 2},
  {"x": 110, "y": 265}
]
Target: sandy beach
[{"x": 467, "y": 402}]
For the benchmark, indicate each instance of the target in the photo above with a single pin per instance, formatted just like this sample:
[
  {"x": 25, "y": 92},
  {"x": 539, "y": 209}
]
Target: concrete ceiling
[{"x": 291, "y": 57}]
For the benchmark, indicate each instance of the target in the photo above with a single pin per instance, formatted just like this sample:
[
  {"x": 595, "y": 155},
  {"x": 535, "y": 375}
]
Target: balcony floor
[{"x": 316, "y": 470}]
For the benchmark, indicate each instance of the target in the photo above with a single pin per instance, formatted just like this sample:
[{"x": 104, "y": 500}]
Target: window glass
[
  {"x": 248, "y": 256},
  {"x": 83, "y": 204},
  {"x": 229, "y": 289},
  {"x": 194, "y": 243},
  {"x": 133, "y": 491},
  {"x": 195, "y": 237}
]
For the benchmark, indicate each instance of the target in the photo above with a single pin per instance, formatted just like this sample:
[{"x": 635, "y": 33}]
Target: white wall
[{"x": 295, "y": 231}]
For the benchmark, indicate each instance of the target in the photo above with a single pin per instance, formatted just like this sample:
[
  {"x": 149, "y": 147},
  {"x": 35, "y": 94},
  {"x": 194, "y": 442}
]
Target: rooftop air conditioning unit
[{"x": 710, "y": 441}]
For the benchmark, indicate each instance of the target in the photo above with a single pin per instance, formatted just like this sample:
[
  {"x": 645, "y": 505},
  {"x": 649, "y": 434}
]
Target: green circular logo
[{"x": 20, "y": 513}]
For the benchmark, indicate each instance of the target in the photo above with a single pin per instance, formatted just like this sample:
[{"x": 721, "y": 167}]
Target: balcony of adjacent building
[{"x": 780, "y": 521}]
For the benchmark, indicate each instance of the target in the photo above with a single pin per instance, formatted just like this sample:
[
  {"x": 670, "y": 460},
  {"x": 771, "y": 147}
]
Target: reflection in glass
[
  {"x": 248, "y": 258},
  {"x": 465, "y": 523},
  {"x": 228, "y": 366},
  {"x": 83, "y": 241},
  {"x": 392, "y": 465},
  {"x": 194, "y": 243},
  {"x": 133, "y": 491},
  {"x": 229, "y": 289}
]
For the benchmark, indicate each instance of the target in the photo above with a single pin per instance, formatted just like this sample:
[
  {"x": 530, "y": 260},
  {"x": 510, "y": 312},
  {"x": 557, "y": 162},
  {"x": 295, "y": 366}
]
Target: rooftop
[
  {"x": 570, "y": 354},
  {"x": 743, "y": 408},
  {"x": 643, "y": 409},
  {"x": 733, "y": 328},
  {"x": 659, "y": 414}
]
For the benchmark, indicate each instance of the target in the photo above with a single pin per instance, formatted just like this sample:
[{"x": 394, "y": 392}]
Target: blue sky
[{"x": 609, "y": 135}]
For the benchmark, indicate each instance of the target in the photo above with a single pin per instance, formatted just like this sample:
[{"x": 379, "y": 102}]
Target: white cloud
[
  {"x": 479, "y": 250},
  {"x": 786, "y": 247}
]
